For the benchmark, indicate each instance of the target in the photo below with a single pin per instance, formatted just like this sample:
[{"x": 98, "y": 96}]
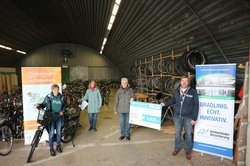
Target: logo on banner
[
  {"x": 29, "y": 75},
  {"x": 203, "y": 132}
]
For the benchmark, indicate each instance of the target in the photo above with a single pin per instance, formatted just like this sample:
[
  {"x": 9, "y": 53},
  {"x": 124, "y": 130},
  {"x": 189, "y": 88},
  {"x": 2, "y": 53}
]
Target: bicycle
[
  {"x": 70, "y": 126},
  {"x": 71, "y": 123},
  {"x": 38, "y": 134},
  {"x": 6, "y": 134},
  {"x": 13, "y": 108}
]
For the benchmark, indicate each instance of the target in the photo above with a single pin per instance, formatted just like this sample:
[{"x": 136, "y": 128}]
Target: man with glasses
[{"x": 186, "y": 107}]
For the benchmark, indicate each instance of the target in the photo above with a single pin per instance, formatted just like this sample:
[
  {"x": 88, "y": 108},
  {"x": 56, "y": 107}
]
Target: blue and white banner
[
  {"x": 145, "y": 114},
  {"x": 213, "y": 132}
]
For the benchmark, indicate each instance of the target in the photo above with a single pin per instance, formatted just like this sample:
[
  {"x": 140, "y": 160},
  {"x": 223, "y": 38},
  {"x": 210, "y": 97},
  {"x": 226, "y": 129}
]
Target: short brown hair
[
  {"x": 182, "y": 77},
  {"x": 54, "y": 86}
]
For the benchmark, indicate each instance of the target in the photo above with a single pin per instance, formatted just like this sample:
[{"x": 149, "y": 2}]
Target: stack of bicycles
[
  {"x": 11, "y": 126},
  {"x": 6, "y": 133}
]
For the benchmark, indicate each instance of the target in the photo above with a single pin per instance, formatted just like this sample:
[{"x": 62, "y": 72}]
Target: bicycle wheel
[
  {"x": 6, "y": 140},
  {"x": 34, "y": 143},
  {"x": 69, "y": 129},
  {"x": 66, "y": 134},
  {"x": 75, "y": 127}
]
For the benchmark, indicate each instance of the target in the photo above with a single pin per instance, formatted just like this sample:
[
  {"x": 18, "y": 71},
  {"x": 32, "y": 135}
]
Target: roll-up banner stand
[
  {"x": 36, "y": 84},
  {"x": 213, "y": 132}
]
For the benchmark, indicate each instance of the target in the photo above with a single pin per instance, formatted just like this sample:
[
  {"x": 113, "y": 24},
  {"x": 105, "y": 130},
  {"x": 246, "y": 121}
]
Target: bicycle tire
[
  {"x": 70, "y": 131},
  {"x": 65, "y": 135},
  {"x": 35, "y": 137},
  {"x": 76, "y": 126},
  {"x": 9, "y": 137},
  {"x": 34, "y": 144}
]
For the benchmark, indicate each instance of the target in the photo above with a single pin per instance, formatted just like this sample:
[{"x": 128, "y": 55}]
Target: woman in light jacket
[{"x": 94, "y": 98}]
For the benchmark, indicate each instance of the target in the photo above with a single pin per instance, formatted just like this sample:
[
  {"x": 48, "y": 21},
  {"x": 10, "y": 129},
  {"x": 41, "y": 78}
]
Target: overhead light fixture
[
  {"x": 111, "y": 21},
  {"x": 5, "y": 47},
  {"x": 115, "y": 9},
  {"x": 118, "y": 2},
  {"x": 9, "y": 48},
  {"x": 104, "y": 41},
  {"x": 22, "y": 52},
  {"x": 109, "y": 26}
]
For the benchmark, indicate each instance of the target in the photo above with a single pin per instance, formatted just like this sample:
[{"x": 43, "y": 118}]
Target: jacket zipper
[{"x": 182, "y": 101}]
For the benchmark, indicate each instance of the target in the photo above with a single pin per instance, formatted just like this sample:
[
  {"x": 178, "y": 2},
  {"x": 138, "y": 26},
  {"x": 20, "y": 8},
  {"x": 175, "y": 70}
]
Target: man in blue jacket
[{"x": 186, "y": 107}]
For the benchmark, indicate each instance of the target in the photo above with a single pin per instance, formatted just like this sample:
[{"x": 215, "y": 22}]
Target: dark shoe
[
  {"x": 128, "y": 138},
  {"x": 175, "y": 152},
  {"x": 188, "y": 156},
  {"x": 52, "y": 152},
  {"x": 59, "y": 149},
  {"x": 95, "y": 129},
  {"x": 121, "y": 137},
  {"x": 90, "y": 128}
]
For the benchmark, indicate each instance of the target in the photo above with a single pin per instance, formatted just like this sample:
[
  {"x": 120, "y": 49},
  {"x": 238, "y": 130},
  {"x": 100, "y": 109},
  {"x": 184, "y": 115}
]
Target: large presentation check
[{"x": 145, "y": 114}]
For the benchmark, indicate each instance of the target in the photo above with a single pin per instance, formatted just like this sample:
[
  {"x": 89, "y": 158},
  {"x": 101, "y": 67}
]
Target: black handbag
[{"x": 45, "y": 117}]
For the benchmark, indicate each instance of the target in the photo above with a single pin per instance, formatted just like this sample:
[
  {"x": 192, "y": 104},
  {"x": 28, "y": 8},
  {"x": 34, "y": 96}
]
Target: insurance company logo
[{"x": 203, "y": 132}]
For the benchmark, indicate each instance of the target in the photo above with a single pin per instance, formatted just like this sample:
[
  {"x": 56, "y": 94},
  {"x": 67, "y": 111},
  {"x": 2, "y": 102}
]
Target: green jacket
[
  {"x": 122, "y": 99},
  {"x": 94, "y": 100}
]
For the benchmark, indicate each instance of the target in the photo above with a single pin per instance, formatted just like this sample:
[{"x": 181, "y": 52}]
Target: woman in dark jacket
[{"x": 54, "y": 102}]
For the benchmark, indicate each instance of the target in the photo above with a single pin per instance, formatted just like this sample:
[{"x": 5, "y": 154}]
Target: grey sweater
[{"x": 122, "y": 99}]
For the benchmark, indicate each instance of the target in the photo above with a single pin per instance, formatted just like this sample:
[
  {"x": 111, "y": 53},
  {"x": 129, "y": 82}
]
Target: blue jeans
[
  {"x": 179, "y": 123},
  {"x": 92, "y": 120},
  {"x": 57, "y": 124},
  {"x": 124, "y": 124}
]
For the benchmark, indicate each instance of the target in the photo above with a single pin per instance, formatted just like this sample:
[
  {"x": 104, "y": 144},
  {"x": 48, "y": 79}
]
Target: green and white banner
[{"x": 214, "y": 127}]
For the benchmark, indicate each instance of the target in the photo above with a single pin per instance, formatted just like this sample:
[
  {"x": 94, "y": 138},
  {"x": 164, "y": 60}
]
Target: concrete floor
[{"x": 148, "y": 147}]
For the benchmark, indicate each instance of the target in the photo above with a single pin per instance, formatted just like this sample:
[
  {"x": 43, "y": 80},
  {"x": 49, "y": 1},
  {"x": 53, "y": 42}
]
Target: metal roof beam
[{"x": 208, "y": 31}]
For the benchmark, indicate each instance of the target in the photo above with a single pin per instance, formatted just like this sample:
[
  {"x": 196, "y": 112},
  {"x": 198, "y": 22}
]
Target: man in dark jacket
[{"x": 186, "y": 107}]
